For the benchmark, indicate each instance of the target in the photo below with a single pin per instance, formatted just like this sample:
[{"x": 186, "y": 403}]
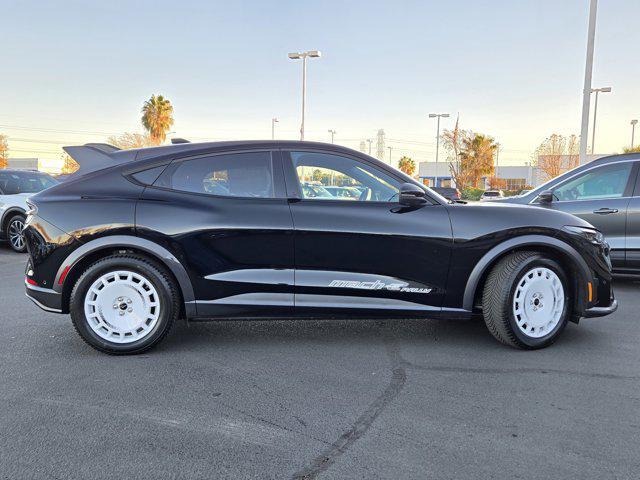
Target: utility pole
[
  {"x": 370, "y": 142},
  {"x": 438, "y": 116},
  {"x": 274, "y": 120},
  {"x": 332, "y": 132},
  {"x": 633, "y": 131},
  {"x": 497, "y": 157},
  {"x": 390, "y": 148},
  {"x": 588, "y": 73},
  {"x": 304, "y": 56},
  {"x": 380, "y": 145}
]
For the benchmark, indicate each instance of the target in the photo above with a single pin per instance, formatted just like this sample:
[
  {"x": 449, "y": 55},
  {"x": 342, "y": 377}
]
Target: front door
[
  {"x": 226, "y": 218},
  {"x": 356, "y": 248},
  {"x": 601, "y": 197}
]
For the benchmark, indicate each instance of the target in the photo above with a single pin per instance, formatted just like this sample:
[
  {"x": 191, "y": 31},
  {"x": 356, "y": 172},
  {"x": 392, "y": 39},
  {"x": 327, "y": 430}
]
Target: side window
[
  {"x": 148, "y": 176},
  {"x": 324, "y": 176},
  {"x": 609, "y": 181},
  {"x": 231, "y": 175}
]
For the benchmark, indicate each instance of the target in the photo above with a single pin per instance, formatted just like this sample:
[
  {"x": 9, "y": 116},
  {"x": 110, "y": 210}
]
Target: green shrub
[{"x": 471, "y": 193}]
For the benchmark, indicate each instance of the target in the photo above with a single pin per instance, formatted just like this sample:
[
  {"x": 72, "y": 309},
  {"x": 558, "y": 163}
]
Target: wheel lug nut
[
  {"x": 119, "y": 299},
  {"x": 115, "y": 306},
  {"x": 130, "y": 309},
  {"x": 128, "y": 300},
  {"x": 121, "y": 313}
]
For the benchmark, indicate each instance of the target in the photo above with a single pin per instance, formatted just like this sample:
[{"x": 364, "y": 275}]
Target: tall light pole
[
  {"x": 274, "y": 120},
  {"x": 370, "y": 142},
  {"x": 303, "y": 56},
  {"x": 633, "y": 131},
  {"x": 586, "y": 91},
  {"x": 438, "y": 116},
  {"x": 390, "y": 148},
  {"x": 332, "y": 132},
  {"x": 595, "y": 112}
]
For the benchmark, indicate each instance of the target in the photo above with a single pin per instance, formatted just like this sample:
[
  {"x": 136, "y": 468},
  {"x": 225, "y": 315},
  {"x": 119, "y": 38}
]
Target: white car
[
  {"x": 15, "y": 187},
  {"x": 491, "y": 195}
]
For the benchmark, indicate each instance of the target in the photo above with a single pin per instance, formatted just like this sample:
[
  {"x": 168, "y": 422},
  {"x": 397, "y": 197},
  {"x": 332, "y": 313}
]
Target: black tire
[
  {"x": 498, "y": 295},
  {"x": 169, "y": 299},
  {"x": 15, "y": 224}
]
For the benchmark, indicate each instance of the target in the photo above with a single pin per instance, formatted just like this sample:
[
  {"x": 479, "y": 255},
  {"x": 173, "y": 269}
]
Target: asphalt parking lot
[{"x": 331, "y": 399}]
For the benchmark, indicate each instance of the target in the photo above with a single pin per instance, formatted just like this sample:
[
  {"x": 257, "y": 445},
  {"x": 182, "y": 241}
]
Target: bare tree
[
  {"x": 452, "y": 141},
  {"x": 557, "y": 154},
  {"x": 4, "y": 151},
  {"x": 129, "y": 140},
  {"x": 69, "y": 165}
]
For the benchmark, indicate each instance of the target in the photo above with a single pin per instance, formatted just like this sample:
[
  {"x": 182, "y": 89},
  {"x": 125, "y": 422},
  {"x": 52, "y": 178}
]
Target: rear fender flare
[
  {"x": 153, "y": 249},
  {"x": 517, "y": 243}
]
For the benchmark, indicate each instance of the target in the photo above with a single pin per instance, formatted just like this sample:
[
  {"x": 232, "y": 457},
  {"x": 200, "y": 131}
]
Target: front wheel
[
  {"x": 15, "y": 235},
  {"x": 526, "y": 300},
  {"x": 124, "y": 304}
]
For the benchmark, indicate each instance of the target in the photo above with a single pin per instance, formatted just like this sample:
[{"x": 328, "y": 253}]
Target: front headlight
[{"x": 591, "y": 234}]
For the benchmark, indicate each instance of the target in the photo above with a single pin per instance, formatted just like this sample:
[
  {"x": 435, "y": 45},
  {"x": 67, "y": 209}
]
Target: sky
[{"x": 77, "y": 71}]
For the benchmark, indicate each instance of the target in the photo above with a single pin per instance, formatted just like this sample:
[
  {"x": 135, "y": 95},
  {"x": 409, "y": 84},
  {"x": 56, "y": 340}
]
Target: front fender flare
[{"x": 518, "y": 242}]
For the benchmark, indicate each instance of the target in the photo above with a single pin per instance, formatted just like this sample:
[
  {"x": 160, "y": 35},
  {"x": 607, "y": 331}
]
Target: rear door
[
  {"x": 366, "y": 253},
  {"x": 633, "y": 229},
  {"x": 225, "y": 217},
  {"x": 601, "y": 196}
]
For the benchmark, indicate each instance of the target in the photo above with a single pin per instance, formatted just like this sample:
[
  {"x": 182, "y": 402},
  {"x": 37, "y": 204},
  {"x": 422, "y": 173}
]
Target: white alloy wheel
[
  {"x": 15, "y": 234},
  {"x": 122, "y": 307},
  {"x": 538, "y": 302}
]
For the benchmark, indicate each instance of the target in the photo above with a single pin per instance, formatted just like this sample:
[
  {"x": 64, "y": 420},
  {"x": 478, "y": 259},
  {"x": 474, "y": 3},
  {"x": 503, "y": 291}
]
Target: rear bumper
[{"x": 47, "y": 299}]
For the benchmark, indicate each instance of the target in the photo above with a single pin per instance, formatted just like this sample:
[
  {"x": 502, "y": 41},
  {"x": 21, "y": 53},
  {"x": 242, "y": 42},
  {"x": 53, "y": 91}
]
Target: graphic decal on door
[{"x": 378, "y": 285}]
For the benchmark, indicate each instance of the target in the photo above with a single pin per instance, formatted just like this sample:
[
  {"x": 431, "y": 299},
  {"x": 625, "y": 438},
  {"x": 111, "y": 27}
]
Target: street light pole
[
  {"x": 595, "y": 113},
  {"x": 438, "y": 116},
  {"x": 390, "y": 148},
  {"x": 633, "y": 131},
  {"x": 586, "y": 91},
  {"x": 274, "y": 120},
  {"x": 332, "y": 132},
  {"x": 303, "y": 56},
  {"x": 370, "y": 142}
]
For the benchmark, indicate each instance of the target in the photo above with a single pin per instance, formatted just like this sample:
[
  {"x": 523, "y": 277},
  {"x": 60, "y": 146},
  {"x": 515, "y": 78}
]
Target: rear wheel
[
  {"x": 526, "y": 300},
  {"x": 15, "y": 235},
  {"x": 124, "y": 304}
]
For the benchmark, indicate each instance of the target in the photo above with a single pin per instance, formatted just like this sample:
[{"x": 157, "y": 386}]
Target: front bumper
[
  {"x": 601, "y": 311},
  {"x": 47, "y": 299}
]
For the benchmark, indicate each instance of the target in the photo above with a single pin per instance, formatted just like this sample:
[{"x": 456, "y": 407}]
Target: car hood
[{"x": 513, "y": 215}]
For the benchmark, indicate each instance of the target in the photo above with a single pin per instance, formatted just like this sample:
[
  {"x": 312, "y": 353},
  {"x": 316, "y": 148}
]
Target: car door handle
[{"x": 605, "y": 211}]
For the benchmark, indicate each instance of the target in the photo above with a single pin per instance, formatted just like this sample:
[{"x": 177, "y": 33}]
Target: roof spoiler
[{"x": 92, "y": 157}]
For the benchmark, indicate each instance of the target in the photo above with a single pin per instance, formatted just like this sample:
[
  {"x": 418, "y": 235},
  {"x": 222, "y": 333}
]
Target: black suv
[{"x": 224, "y": 230}]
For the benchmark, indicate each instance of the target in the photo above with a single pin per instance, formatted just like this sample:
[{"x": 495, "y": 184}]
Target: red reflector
[
  {"x": 64, "y": 274},
  {"x": 31, "y": 281}
]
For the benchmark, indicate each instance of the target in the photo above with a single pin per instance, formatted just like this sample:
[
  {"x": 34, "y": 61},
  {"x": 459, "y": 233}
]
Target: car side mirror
[
  {"x": 412, "y": 195},
  {"x": 545, "y": 196}
]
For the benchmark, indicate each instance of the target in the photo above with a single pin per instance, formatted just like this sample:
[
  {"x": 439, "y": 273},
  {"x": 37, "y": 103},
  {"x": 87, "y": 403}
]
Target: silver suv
[{"x": 605, "y": 193}]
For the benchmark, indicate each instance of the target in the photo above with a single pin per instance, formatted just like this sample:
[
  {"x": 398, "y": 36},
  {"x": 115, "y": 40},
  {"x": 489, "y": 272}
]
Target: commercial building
[
  {"x": 516, "y": 177},
  {"x": 23, "y": 163}
]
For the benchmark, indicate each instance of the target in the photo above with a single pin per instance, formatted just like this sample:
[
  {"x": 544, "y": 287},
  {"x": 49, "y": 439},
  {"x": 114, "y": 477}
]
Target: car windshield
[{"x": 12, "y": 183}]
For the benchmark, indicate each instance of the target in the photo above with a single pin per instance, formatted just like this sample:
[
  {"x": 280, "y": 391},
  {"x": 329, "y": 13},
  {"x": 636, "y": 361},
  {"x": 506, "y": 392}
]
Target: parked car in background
[
  {"x": 491, "y": 195},
  {"x": 15, "y": 187},
  {"x": 344, "y": 193},
  {"x": 605, "y": 193},
  {"x": 449, "y": 193},
  {"x": 141, "y": 242}
]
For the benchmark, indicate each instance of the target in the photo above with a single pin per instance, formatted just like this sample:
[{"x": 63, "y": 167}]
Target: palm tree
[
  {"x": 477, "y": 154},
  {"x": 157, "y": 118},
  {"x": 407, "y": 165}
]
